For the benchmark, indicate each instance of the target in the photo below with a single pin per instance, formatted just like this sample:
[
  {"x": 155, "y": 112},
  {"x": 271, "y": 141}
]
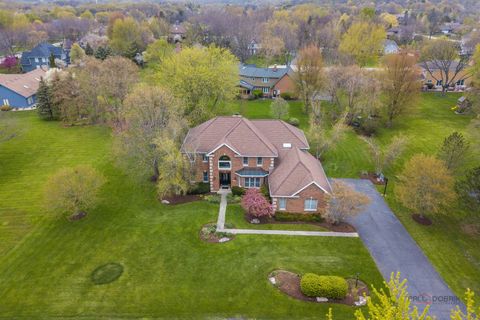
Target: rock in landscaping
[
  {"x": 255, "y": 221},
  {"x": 272, "y": 280},
  {"x": 224, "y": 239},
  {"x": 165, "y": 202},
  {"x": 361, "y": 302},
  {"x": 321, "y": 299}
]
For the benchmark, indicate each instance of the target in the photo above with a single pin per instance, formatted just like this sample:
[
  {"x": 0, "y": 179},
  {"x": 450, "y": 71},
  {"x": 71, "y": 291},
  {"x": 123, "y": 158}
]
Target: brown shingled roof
[
  {"x": 25, "y": 84},
  {"x": 297, "y": 170}
]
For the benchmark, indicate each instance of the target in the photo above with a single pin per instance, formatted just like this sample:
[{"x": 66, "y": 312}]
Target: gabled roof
[
  {"x": 252, "y": 71},
  {"x": 297, "y": 170},
  {"x": 25, "y": 84},
  {"x": 177, "y": 29},
  {"x": 279, "y": 132},
  {"x": 43, "y": 50},
  {"x": 235, "y": 132}
]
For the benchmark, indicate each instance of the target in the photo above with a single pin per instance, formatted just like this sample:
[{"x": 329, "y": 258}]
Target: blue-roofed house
[
  {"x": 40, "y": 55},
  {"x": 390, "y": 47},
  {"x": 271, "y": 81},
  {"x": 19, "y": 90}
]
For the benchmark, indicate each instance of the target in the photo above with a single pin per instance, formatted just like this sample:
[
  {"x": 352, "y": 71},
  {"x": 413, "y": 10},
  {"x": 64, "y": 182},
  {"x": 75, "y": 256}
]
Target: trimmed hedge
[
  {"x": 5, "y": 108},
  {"x": 199, "y": 188},
  {"x": 301, "y": 217},
  {"x": 238, "y": 191},
  {"x": 294, "y": 122},
  {"x": 257, "y": 93},
  {"x": 287, "y": 95},
  {"x": 331, "y": 287}
]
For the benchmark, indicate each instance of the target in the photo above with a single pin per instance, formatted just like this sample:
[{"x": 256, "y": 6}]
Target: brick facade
[
  {"x": 298, "y": 204},
  {"x": 285, "y": 84}
]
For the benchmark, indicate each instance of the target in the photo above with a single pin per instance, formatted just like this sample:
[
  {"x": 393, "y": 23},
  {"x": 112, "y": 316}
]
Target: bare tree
[
  {"x": 383, "y": 158},
  {"x": 345, "y": 202},
  {"x": 309, "y": 76}
]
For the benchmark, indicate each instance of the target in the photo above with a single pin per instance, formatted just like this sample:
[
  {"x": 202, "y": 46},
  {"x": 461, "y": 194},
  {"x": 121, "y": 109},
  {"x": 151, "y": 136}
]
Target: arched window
[{"x": 224, "y": 163}]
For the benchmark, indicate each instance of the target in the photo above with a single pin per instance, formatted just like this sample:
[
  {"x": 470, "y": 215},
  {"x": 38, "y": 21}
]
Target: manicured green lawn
[
  {"x": 46, "y": 264},
  {"x": 236, "y": 216},
  {"x": 454, "y": 252}
]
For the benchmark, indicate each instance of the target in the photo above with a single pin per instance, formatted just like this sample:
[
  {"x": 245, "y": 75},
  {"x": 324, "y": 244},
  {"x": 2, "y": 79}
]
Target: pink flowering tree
[
  {"x": 9, "y": 62},
  {"x": 256, "y": 205}
]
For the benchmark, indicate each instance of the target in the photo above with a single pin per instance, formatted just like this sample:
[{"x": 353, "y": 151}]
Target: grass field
[
  {"x": 453, "y": 250},
  {"x": 46, "y": 262}
]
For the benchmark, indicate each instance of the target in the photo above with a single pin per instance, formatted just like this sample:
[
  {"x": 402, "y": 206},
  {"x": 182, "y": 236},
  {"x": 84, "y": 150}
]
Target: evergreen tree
[
  {"x": 102, "y": 53},
  {"x": 88, "y": 50},
  {"x": 52, "y": 63},
  {"x": 44, "y": 101}
]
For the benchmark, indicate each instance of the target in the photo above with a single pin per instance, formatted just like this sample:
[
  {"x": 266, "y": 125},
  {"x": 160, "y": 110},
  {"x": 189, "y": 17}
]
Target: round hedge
[
  {"x": 331, "y": 287},
  {"x": 107, "y": 273}
]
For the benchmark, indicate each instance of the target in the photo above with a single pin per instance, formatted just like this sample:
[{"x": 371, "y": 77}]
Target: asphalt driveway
[{"x": 393, "y": 249}]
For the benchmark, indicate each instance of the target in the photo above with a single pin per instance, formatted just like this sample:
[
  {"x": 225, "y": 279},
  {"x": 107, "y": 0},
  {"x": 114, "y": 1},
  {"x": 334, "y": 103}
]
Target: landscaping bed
[
  {"x": 372, "y": 177},
  {"x": 289, "y": 283},
  {"x": 182, "y": 199},
  {"x": 208, "y": 233}
]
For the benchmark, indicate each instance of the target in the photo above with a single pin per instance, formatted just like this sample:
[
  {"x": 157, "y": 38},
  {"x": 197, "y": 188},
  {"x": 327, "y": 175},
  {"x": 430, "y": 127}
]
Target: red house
[{"x": 235, "y": 151}]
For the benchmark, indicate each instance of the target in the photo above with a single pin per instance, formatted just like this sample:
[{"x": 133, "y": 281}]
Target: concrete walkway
[
  {"x": 221, "y": 225},
  {"x": 394, "y": 250}
]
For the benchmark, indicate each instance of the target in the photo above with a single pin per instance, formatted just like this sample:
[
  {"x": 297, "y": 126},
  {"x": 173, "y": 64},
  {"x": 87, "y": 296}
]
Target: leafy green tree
[
  {"x": 426, "y": 185},
  {"x": 202, "y": 78},
  {"x": 454, "y": 151},
  {"x": 45, "y": 106},
  {"x": 471, "y": 314},
  {"x": 392, "y": 303},
  {"x": 76, "y": 53},
  {"x": 279, "y": 108},
  {"x": 126, "y": 37},
  {"x": 73, "y": 191},
  {"x": 469, "y": 188},
  {"x": 89, "y": 50},
  {"x": 158, "y": 51},
  {"x": 87, "y": 14},
  {"x": 363, "y": 41}
]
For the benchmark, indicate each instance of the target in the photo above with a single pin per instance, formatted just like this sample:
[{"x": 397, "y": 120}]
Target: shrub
[
  {"x": 255, "y": 204},
  {"x": 257, "y": 93},
  {"x": 264, "y": 191},
  {"x": 231, "y": 198},
  {"x": 294, "y": 122},
  {"x": 238, "y": 191},
  {"x": 5, "y": 108},
  {"x": 303, "y": 217},
  {"x": 331, "y": 287},
  {"x": 213, "y": 198},
  {"x": 199, "y": 188},
  {"x": 287, "y": 95}
]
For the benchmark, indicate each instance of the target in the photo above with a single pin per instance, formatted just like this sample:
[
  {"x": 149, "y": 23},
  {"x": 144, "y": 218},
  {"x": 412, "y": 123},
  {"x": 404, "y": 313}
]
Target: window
[
  {"x": 460, "y": 82},
  {"x": 310, "y": 204},
  {"x": 36, "y": 60},
  {"x": 439, "y": 82},
  {"x": 259, "y": 161},
  {"x": 30, "y": 100},
  {"x": 224, "y": 163},
  {"x": 282, "y": 203},
  {"x": 265, "y": 80},
  {"x": 265, "y": 89},
  {"x": 6, "y": 102},
  {"x": 252, "y": 182},
  {"x": 245, "y": 161},
  {"x": 205, "y": 157},
  {"x": 205, "y": 176}
]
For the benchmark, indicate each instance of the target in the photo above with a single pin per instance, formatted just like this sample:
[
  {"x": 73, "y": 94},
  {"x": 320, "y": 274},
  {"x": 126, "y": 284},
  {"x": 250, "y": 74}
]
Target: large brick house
[
  {"x": 235, "y": 151},
  {"x": 271, "y": 81}
]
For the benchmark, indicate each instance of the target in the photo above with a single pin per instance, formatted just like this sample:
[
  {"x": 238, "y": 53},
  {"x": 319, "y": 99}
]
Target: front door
[{"x": 224, "y": 178}]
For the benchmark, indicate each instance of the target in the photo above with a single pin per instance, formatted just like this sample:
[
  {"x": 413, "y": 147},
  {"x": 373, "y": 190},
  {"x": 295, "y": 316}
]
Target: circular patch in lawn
[
  {"x": 471, "y": 229},
  {"x": 77, "y": 216},
  {"x": 208, "y": 233},
  {"x": 107, "y": 273},
  {"x": 289, "y": 283},
  {"x": 421, "y": 220}
]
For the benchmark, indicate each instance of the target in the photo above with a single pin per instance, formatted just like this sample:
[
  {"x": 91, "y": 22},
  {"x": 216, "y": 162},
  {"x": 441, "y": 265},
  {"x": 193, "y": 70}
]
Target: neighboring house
[
  {"x": 253, "y": 47},
  {"x": 235, "y": 151},
  {"x": 40, "y": 56},
  {"x": 390, "y": 47},
  {"x": 271, "y": 81},
  {"x": 450, "y": 28},
  {"x": 434, "y": 77},
  {"x": 177, "y": 33},
  {"x": 19, "y": 90}
]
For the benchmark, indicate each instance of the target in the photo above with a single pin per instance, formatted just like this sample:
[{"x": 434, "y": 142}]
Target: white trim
[
  {"x": 279, "y": 201},
  {"x": 251, "y": 176},
  {"x": 243, "y": 161},
  {"x": 308, "y": 185},
  {"x": 221, "y": 145}
]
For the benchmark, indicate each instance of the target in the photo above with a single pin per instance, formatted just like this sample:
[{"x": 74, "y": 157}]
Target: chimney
[{"x": 275, "y": 68}]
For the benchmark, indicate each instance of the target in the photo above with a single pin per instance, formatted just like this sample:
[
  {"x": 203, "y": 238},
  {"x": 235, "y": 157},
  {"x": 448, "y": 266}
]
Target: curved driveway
[{"x": 393, "y": 249}]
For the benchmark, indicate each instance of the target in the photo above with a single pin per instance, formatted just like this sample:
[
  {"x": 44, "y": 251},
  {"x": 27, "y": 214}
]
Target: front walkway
[
  {"x": 221, "y": 225},
  {"x": 394, "y": 250}
]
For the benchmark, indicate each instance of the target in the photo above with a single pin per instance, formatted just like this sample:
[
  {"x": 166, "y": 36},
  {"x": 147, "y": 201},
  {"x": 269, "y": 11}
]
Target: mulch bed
[
  {"x": 77, "y": 216},
  {"x": 289, "y": 283},
  {"x": 183, "y": 199},
  {"x": 421, "y": 220},
  {"x": 339, "y": 227},
  {"x": 372, "y": 177},
  {"x": 213, "y": 237}
]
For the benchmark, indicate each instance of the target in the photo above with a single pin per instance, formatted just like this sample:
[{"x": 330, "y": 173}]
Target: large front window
[
  {"x": 311, "y": 204},
  {"x": 266, "y": 89},
  {"x": 252, "y": 182},
  {"x": 224, "y": 163}
]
